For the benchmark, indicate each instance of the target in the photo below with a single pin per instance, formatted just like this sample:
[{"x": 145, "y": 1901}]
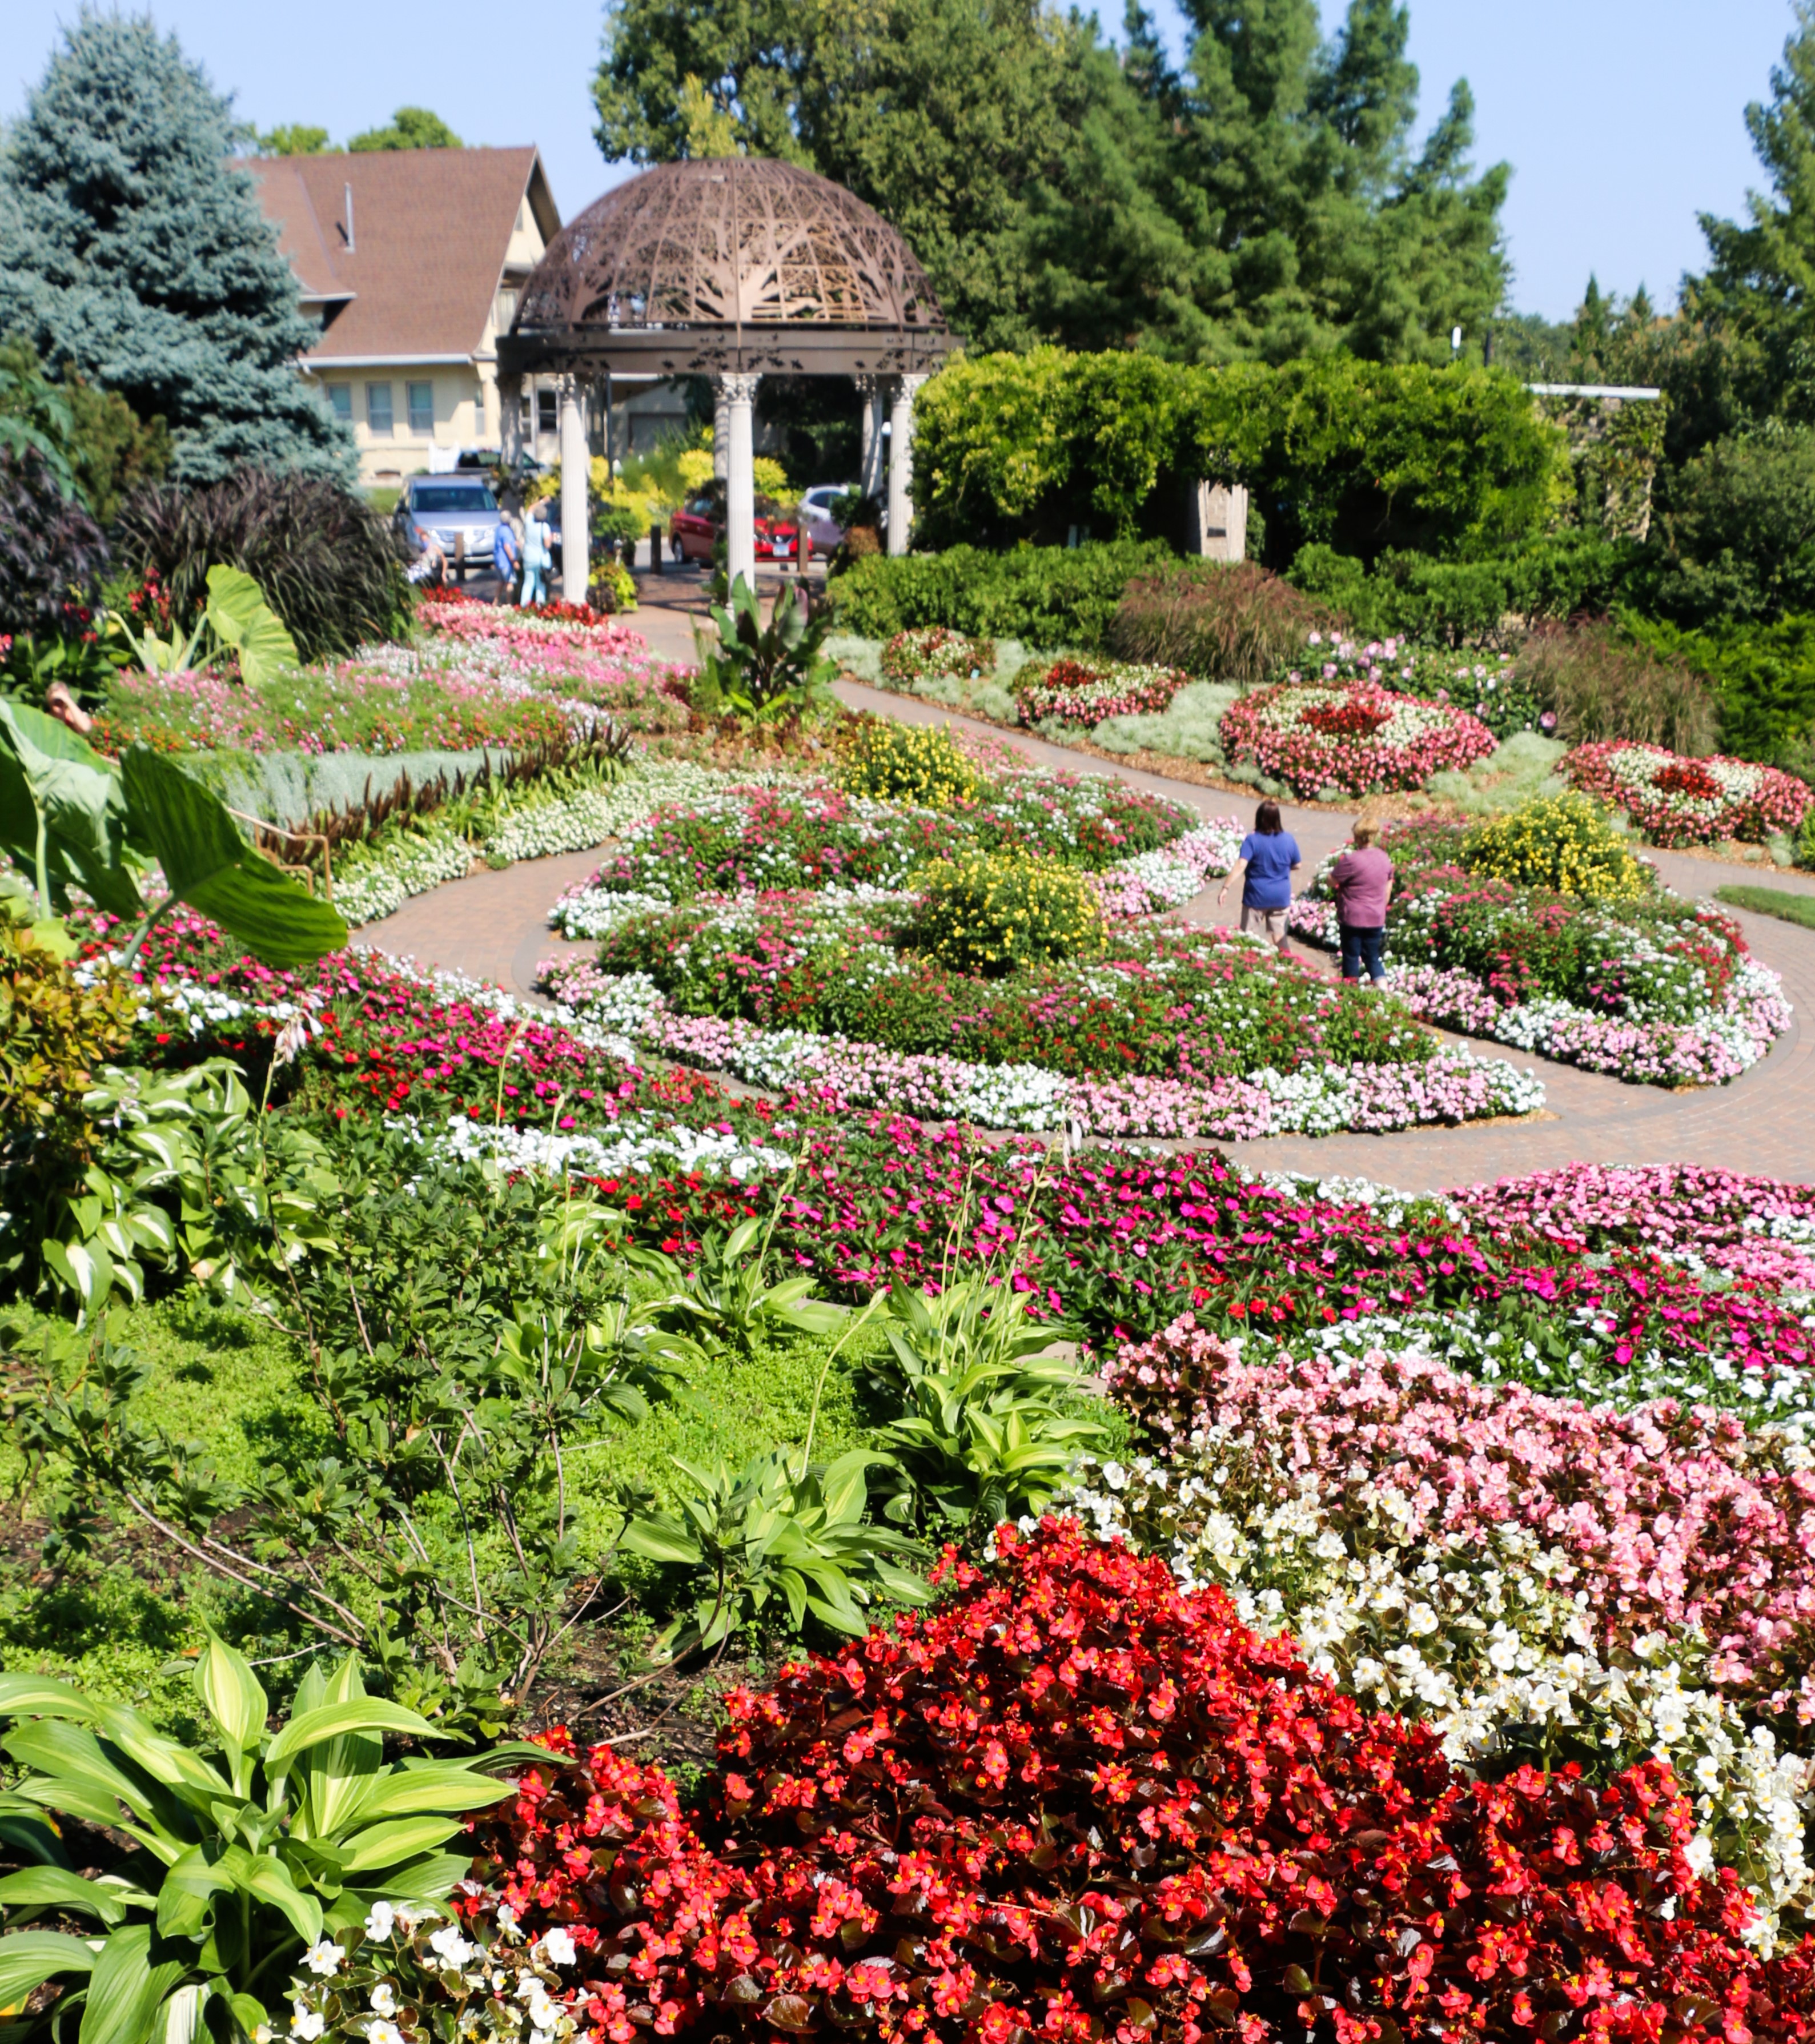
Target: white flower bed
[{"x": 635, "y": 1142}]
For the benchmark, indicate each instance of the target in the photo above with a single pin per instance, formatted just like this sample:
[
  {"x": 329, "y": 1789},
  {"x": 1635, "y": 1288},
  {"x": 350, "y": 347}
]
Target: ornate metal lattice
[{"x": 728, "y": 242}]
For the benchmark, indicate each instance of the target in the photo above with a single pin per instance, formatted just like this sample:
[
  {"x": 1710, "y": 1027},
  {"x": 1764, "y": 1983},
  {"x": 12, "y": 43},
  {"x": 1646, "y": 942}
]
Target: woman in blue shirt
[{"x": 1267, "y": 859}]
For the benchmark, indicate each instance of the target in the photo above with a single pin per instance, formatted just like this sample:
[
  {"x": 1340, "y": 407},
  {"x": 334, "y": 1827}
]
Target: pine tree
[{"x": 132, "y": 250}]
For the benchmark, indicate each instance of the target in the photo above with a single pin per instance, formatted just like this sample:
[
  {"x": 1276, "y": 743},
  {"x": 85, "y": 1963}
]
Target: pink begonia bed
[{"x": 1672, "y": 1515}]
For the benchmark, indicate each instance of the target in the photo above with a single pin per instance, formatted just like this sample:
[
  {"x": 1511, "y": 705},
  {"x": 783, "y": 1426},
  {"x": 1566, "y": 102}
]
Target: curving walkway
[{"x": 494, "y": 927}]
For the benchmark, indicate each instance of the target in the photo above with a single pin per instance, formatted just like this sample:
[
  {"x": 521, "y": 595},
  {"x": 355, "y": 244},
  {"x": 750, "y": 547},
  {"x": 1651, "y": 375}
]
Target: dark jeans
[{"x": 1360, "y": 948}]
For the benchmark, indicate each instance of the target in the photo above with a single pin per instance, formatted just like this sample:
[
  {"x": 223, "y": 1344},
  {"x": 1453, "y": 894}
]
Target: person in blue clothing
[{"x": 1268, "y": 858}]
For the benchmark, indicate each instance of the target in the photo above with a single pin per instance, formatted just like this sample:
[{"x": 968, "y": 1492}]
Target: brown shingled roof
[{"x": 431, "y": 228}]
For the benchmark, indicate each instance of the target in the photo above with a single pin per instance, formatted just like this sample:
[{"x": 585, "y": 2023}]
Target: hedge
[
  {"x": 1367, "y": 457},
  {"x": 1046, "y": 596}
]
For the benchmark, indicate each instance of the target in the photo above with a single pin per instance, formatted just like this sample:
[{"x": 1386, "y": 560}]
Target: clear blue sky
[{"x": 1621, "y": 118}]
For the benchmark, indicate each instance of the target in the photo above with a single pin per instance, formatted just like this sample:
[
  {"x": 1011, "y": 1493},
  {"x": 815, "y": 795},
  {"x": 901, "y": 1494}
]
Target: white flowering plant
[{"x": 411, "y": 1973}]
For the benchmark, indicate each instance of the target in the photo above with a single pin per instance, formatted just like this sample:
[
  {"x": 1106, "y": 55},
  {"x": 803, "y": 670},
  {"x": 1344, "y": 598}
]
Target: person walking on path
[
  {"x": 506, "y": 556},
  {"x": 1268, "y": 858},
  {"x": 538, "y": 558},
  {"x": 1363, "y": 878}
]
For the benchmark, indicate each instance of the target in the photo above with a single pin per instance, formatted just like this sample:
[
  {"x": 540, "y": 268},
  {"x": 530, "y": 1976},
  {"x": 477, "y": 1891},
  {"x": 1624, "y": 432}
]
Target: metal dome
[{"x": 728, "y": 262}]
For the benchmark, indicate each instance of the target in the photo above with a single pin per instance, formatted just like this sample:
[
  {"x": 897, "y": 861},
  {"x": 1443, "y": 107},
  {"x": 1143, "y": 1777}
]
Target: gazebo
[{"x": 732, "y": 268}]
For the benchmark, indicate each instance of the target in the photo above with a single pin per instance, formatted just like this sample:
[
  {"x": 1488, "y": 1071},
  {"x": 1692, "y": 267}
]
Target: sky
[{"x": 1622, "y": 119}]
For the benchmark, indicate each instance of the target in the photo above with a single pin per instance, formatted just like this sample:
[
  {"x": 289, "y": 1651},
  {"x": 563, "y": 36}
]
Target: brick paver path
[{"x": 495, "y": 926}]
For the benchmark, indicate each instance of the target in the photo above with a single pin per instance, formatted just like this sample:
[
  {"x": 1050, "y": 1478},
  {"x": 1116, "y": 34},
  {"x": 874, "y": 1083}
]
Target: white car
[{"x": 816, "y": 515}]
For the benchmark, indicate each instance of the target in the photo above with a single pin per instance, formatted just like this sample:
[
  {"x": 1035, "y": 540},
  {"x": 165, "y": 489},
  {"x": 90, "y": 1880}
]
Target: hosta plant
[{"x": 242, "y": 1862}]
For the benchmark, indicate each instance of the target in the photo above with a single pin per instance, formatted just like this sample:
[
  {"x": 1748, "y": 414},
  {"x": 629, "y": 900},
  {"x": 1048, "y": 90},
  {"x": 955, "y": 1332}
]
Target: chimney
[{"x": 349, "y": 218}]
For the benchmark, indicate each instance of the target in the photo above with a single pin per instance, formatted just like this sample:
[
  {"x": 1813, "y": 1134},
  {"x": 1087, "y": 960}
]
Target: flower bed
[
  {"x": 1537, "y": 1579},
  {"x": 1655, "y": 990},
  {"x": 804, "y": 835},
  {"x": 1352, "y": 737},
  {"x": 1125, "y": 1809},
  {"x": 480, "y": 676},
  {"x": 1086, "y": 692},
  {"x": 932, "y": 650},
  {"x": 1678, "y": 801}
]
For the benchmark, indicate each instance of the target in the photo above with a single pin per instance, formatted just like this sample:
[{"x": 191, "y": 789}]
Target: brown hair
[
  {"x": 1364, "y": 833},
  {"x": 1267, "y": 820}
]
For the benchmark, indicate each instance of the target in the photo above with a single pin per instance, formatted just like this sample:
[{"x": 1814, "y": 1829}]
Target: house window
[
  {"x": 378, "y": 409},
  {"x": 547, "y": 414},
  {"x": 340, "y": 398},
  {"x": 479, "y": 409},
  {"x": 421, "y": 407},
  {"x": 506, "y": 310}
]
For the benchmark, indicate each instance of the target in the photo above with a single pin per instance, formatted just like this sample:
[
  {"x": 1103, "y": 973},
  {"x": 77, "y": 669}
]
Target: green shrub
[
  {"x": 1600, "y": 687},
  {"x": 1468, "y": 603},
  {"x": 1225, "y": 622},
  {"x": 1763, "y": 675},
  {"x": 991, "y": 912},
  {"x": 1046, "y": 596},
  {"x": 54, "y": 1034},
  {"x": 906, "y": 762},
  {"x": 1563, "y": 843}
]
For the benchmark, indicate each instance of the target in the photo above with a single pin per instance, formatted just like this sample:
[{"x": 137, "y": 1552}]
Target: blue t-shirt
[{"x": 1268, "y": 883}]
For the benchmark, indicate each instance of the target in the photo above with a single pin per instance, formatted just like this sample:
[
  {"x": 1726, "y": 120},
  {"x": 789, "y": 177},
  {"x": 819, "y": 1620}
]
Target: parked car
[
  {"x": 696, "y": 528},
  {"x": 822, "y": 528},
  {"x": 458, "y": 513}
]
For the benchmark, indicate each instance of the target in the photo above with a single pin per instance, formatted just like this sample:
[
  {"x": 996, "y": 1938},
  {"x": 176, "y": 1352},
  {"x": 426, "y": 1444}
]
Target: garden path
[{"x": 494, "y": 927}]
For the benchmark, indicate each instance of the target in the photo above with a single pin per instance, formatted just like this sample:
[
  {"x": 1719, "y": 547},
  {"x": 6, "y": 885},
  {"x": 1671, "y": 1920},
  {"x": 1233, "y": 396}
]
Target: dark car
[
  {"x": 696, "y": 528},
  {"x": 458, "y": 514}
]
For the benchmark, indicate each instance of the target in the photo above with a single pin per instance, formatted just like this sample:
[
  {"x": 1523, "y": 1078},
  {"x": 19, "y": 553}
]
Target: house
[{"x": 411, "y": 259}]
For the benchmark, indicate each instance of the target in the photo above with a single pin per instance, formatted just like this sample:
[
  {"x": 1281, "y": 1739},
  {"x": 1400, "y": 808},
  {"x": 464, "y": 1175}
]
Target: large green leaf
[
  {"x": 186, "y": 1899},
  {"x": 386, "y": 1845},
  {"x": 42, "y": 1695},
  {"x": 234, "y": 1697},
  {"x": 126, "y": 1991},
  {"x": 45, "y": 768},
  {"x": 209, "y": 865},
  {"x": 70, "y": 1756},
  {"x": 54, "y": 1886},
  {"x": 330, "y": 1720},
  {"x": 342, "y": 1768},
  {"x": 441, "y": 1787},
  {"x": 29, "y": 1958},
  {"x": 269, "y": 1879},
  {"x": 240, "y": 615}
]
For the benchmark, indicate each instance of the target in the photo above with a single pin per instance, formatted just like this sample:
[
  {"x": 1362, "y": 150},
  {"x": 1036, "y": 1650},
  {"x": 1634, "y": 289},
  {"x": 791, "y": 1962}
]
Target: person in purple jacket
[{"x": 1362, "y": 879}]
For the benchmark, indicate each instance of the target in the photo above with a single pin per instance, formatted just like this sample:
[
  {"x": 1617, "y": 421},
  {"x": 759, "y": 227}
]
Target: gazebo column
[
  {"x": 901, "y": 462},
  {"x": 720, "y": 430},
  {"x": 869, "y": 468},
  {"x": 738, "y": 394},
  {"x": 576, "y": 465}
]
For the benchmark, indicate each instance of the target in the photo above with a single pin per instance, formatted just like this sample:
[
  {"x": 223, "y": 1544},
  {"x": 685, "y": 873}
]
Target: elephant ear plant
[
  {"x": 70, "y": 818},
  {"x": 241, "y": 1863}
]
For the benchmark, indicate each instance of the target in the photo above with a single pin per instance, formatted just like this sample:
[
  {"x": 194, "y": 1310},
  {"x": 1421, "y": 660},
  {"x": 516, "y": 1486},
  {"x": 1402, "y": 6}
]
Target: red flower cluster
[
  {"x": 1077, "y": 1804},
  {"x": 1688, "y": 776},
  {"x": 1352, "y": 719}
]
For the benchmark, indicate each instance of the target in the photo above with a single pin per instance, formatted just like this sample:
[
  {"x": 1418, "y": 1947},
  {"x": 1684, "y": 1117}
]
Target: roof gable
[{"x": 430, "y": 229}]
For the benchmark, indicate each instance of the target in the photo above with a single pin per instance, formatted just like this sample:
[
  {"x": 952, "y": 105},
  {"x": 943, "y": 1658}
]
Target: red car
[{"x": 699, "y": 526}]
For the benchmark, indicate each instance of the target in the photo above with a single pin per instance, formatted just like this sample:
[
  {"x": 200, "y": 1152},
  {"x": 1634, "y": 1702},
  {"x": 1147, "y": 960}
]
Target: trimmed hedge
[{"x": 1046, "y": 596}]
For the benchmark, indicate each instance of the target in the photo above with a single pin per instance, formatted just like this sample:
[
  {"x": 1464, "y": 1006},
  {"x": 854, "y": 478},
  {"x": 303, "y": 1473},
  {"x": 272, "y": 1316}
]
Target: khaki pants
[{"x": 1263, "y": 923}]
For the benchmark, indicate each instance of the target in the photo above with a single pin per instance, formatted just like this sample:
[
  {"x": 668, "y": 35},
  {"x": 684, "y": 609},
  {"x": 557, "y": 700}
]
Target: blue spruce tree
[{"x": 132, "y": 249}]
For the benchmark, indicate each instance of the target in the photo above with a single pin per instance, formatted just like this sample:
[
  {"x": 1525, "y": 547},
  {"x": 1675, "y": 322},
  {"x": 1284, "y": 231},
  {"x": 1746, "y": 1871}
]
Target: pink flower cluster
[
  {"x": 1672, "y": 1515},
  {"x": 1353, "y": 736},
  {"x": 1732, "y": 1222},
  {"x": 1679, "y": 801}
]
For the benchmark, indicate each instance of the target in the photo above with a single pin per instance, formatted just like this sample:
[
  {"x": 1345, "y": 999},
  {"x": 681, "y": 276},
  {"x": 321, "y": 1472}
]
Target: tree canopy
[
  {"x": 293, "y": 138},
  {"x": 1261, "y": 200},
  {"x": 411, "y": 128},
  {"x": 132, "y": 250}
]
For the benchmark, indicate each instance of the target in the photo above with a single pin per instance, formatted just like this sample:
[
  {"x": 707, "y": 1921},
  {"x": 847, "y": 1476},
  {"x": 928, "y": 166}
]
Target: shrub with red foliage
[
  {"x": 1352, "y": 719},
  {"x": 1078, "y": 1803}
]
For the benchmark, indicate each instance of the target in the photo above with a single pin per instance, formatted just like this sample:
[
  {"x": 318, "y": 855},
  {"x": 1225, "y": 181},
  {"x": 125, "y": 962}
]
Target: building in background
[{"x": 411, "y": 259}]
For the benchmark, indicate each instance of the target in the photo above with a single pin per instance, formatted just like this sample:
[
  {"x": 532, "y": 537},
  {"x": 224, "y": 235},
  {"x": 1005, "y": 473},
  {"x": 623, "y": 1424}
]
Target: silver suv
[{"x": 459, "y": 512}]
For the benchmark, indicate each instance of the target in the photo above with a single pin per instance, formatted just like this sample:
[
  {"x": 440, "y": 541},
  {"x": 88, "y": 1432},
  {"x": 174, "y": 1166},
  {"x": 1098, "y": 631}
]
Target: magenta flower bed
[
  {"x": 1353, "y": 736},
  {"x": 1678, "y": 801}
]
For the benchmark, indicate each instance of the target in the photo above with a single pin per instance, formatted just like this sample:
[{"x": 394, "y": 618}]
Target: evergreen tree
[
  {"x": 1263, "y": 200},
  {"x": 132, "y": 250},
  {"x": 1762, "y": 271}
]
